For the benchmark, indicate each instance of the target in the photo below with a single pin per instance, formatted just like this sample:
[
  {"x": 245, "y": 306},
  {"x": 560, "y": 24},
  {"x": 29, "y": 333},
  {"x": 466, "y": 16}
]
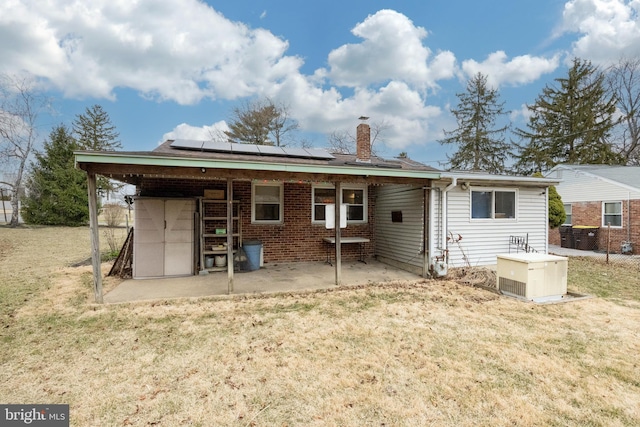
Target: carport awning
[{"x": 122, "y": 166}]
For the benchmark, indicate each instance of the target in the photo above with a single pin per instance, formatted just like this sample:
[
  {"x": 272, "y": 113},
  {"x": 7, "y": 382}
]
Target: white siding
[
  {"x": 482, "y": 240},
  {"x": 400, "y": 241},
  {"x": 576, "y": 186}
]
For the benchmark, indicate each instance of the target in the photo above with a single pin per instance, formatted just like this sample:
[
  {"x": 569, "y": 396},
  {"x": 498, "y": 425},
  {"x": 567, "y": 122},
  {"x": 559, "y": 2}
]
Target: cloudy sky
[{"x": 176, "y": 68}]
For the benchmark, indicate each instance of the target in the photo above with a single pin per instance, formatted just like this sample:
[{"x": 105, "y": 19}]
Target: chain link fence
[{"x": 598, "y": 243}]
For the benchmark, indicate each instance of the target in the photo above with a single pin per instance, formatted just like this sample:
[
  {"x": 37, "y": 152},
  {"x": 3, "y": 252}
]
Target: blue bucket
[{"x": 252, "y": 249}]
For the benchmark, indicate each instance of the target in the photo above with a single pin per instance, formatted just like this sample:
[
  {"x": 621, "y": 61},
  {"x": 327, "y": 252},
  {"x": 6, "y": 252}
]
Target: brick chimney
[{"x": 363, "y": 143}]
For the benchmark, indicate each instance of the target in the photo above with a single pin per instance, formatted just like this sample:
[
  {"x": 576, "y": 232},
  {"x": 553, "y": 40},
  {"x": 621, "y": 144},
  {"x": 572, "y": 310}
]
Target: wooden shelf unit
[{"x": 213, "y": 216}]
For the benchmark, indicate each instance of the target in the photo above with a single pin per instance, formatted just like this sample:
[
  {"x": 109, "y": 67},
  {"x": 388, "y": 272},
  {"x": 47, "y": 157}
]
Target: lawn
[{"x": 401, "y": 354}]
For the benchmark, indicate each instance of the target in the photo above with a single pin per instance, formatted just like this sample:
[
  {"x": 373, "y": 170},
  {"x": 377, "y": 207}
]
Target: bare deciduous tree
[
  {"x": 20, "y": 105},
  {"x": 623, "y": 79},
  {"x": 262, "y": 122}
]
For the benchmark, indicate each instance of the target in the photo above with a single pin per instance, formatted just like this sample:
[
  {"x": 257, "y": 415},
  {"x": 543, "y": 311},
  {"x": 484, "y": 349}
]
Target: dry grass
[{"x": 423, "y": 353}]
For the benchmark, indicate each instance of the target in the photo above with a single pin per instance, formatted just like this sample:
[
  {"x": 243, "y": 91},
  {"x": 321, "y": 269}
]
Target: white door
[
  {"x": 148, "y": 238},
  {"x": 178, "y": 237},
  {"x": 163, "y": 237}
]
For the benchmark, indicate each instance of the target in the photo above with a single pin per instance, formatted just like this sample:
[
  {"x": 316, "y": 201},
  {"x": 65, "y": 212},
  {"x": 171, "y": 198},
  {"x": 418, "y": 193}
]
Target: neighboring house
[
  {"x": 195, "y": 196},
  {"x": 604, "y": 198}
]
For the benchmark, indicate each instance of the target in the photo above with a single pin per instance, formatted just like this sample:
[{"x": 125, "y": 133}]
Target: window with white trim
[
  {"x": 567, "y": 211},
  {"x": 355, "y": 197},
  {"x": 612, "y": 214},
  {"x": 321, "y": 197},
  {"x": 267, "y": 203},
  {"x": 493, "y": 204}
]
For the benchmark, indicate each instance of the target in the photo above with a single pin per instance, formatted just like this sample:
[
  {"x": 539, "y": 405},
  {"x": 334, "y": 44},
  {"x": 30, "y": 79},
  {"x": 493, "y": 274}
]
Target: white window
[
  {"x": 267, "y": 203},
  {"x": 567, "y": 211},
  {"x": 612, "y": 214},
  {"x": 493, "y": 204},
  {"x": 355, "y": 197},
  {"x": 321, "y": 197}
]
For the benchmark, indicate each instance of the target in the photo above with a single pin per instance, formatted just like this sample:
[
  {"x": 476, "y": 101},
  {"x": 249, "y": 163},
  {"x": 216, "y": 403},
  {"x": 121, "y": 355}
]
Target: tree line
[
  {"x": 589, "y": 116},
  {"x": 55, "y": 192}
]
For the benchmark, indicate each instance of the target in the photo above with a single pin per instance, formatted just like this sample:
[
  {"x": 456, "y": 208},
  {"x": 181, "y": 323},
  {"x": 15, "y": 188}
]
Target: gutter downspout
[
  {"x": 546, "y": 216},
  {"x": 445, "y": 211}
]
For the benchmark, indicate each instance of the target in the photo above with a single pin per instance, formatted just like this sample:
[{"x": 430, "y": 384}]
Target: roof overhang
[
  {"x": 488, "y": 179},
  {"x": 119, "y": 165}
]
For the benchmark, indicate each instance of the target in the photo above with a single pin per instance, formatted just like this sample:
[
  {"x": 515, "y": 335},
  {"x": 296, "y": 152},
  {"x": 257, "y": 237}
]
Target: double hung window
[
  {"x": 612, "y": 214},
  {"x": 493, "y": 204},
  {"x": 267, "y": 203},
  {"x": 355, "y": 197}
]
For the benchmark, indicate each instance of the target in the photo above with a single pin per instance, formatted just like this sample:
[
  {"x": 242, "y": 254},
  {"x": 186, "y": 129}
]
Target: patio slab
[{"x": 272, "y": 278}]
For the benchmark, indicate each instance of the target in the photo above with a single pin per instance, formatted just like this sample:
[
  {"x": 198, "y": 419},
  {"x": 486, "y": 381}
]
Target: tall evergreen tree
[
  {"x": 570, "y": 123},
  {"x": 481, "y": 146},
  {"x": 94, "y": 131},
  {"x": 56, "y": 190}
]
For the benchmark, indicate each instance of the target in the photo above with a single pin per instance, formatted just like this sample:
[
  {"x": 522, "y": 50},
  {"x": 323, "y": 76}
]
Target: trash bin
[
  {"x": 566, "y": 237},
  {"x": 252, "y": 249},
  {"x": 586, "y": 237}
]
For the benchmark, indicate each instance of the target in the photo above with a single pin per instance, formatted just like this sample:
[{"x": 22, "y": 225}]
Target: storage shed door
[
  {"x": 163, "y": 238},
  {"x": 148, "y": 247},
  {"x": 178, "y": 237}
]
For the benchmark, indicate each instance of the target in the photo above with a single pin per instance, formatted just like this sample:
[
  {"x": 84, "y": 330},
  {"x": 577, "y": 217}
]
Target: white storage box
[{"x": 533, "y": 276}]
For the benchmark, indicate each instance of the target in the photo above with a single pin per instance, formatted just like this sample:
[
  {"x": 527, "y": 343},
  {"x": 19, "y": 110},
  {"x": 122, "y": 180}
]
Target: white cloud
[
  {"x": 521, "y": 114},
  {"x": 517, "y": 71},
  {"x": 167, "y": 50},
  {"x": 186, "y": 52},
  {"x": 392, "y": 49},
  {"x": 198, "y": 133},
  {"x": 608, "y": 29}
]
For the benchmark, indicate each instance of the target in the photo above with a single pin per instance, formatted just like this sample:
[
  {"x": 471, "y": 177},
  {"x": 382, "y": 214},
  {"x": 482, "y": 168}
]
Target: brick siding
[
  {"x": 297, "y": 239},
  {"x": 590, "y": 213}
]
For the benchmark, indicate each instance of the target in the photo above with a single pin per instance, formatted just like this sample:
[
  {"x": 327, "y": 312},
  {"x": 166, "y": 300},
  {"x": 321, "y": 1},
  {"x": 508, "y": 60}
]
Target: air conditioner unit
[{"x": 533, "y": 276}]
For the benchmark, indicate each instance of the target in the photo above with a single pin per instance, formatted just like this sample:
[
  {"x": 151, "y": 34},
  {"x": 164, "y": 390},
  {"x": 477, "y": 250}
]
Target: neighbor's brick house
[{"x": 602, "y": 196}]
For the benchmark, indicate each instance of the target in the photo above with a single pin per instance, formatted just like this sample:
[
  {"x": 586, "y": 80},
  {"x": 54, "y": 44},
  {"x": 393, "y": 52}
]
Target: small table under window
[{"x": 331, "y": 241}]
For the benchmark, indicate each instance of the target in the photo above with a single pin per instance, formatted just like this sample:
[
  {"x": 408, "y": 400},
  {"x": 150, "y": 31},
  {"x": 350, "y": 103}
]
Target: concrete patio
[{"x": 272, "y": 278}]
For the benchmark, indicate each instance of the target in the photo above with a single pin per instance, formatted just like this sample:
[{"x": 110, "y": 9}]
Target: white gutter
[
  {"x": 445, "y": 210},
  {"x": 432, "y": 225}
]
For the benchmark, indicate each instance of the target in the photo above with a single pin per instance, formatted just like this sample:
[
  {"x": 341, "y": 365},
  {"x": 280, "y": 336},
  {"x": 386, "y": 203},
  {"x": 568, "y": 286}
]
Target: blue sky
[{"x": 176, "y": 68}]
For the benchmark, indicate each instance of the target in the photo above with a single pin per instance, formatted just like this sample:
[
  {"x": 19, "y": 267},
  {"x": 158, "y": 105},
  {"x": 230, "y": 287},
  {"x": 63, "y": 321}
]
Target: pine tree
[
  {"x": 56, "y": 190},
  {"x": 482, "y": 147},
  {"x": 94, "y": 131},
  {"x": 570, "y": 123}
]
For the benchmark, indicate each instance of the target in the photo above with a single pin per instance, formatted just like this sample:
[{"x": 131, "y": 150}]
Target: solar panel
[
  {"x": 269, "y": 150},
  {"x": 187, "y": 144},
  {"x": 223, "y": 147},
  {"x": 251, "y": 149},
  {"x": 318, "y": 153},
  {"x": 295, "y": 152},
  {"x": 245, "y": 149}
]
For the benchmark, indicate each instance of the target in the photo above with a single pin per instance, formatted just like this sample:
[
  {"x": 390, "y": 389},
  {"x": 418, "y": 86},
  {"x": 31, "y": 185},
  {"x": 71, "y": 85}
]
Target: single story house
[
  {"x": 200, "y": 201},
  {"x": 603, "y": 200}
]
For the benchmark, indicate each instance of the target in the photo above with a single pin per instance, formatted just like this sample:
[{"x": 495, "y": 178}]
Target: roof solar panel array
[{"x": 257, "y": 150}]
